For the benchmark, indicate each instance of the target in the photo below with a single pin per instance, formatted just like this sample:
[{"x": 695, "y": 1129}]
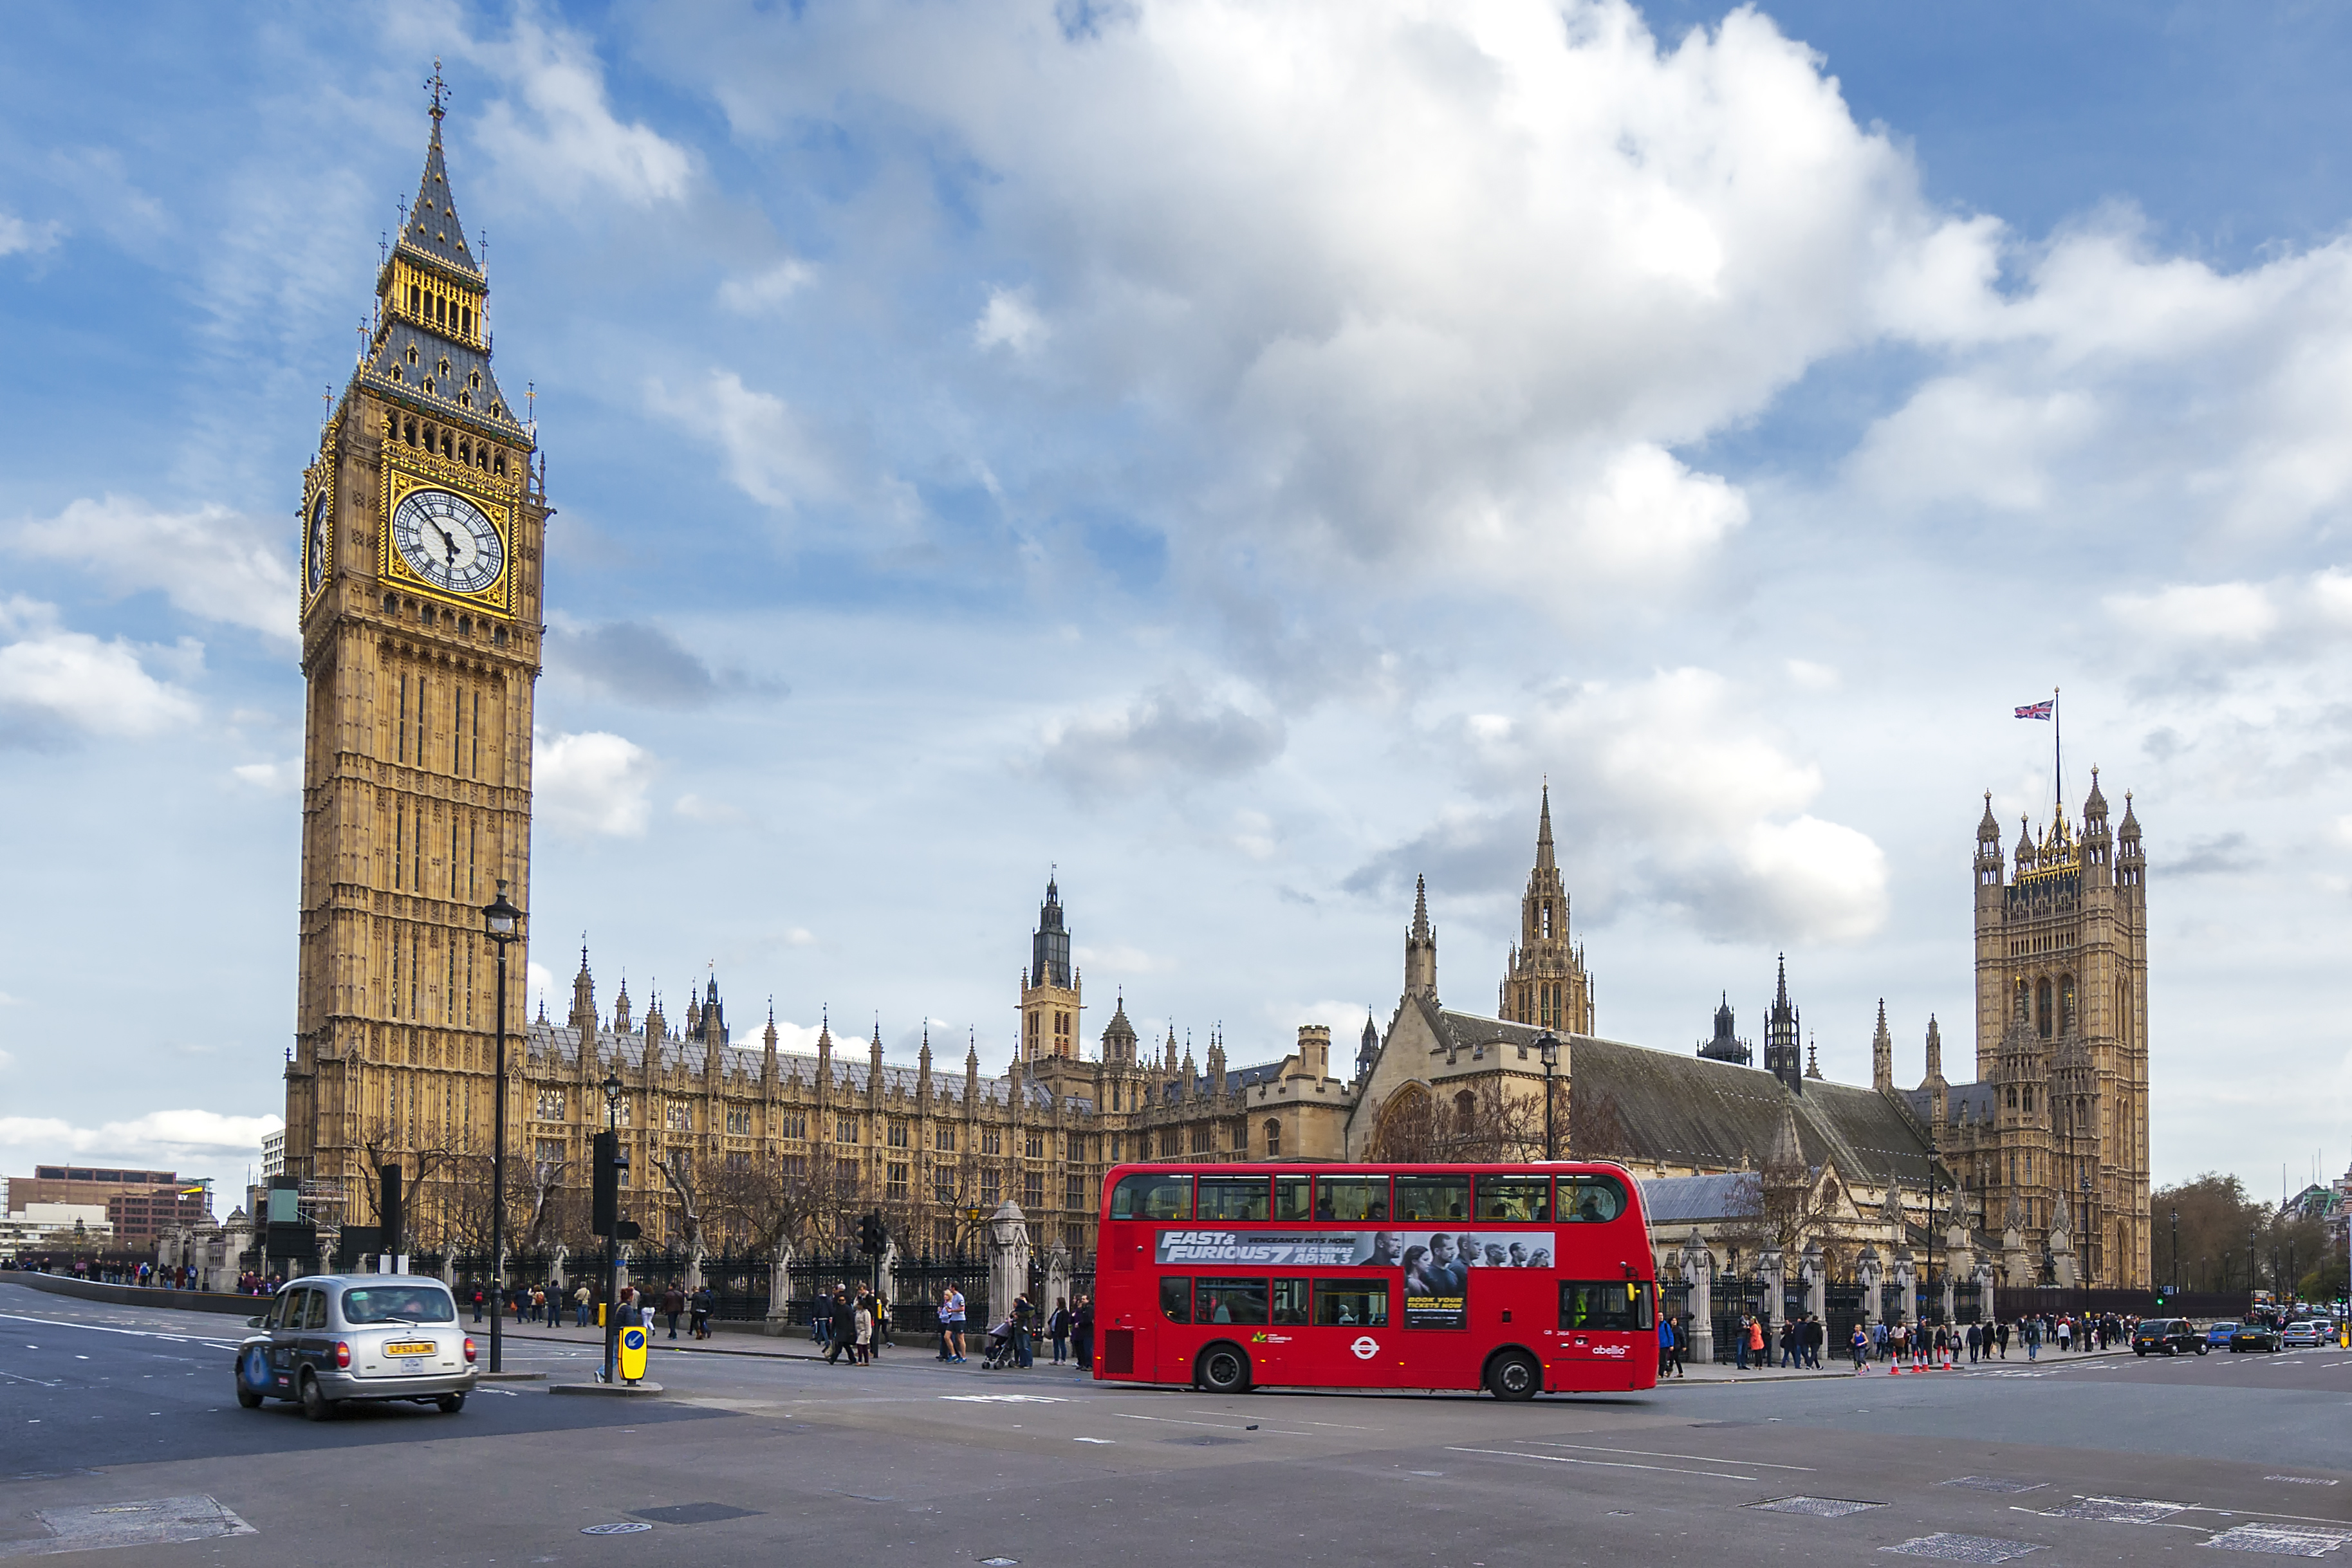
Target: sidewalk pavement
[
  {"x": 1726, "y": 1372},
  {"x": 794, "y": 1346}
]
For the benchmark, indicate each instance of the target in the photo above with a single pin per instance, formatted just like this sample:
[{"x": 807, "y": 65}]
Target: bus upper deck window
[
  {"x": 1233, "y": 1199},
  {"x": 1351, "y": 1200},
  {"x": 1152, "y": 1196},
  {"x": 1515, "y": 1199},
  {"x": 1290, "y": 1197},
  {"x": 1591, "y": 1200},
  {"x": 1443, "y": 1198}
]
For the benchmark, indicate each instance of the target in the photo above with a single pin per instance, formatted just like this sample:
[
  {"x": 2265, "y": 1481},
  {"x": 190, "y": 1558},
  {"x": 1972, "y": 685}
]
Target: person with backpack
[{"x": 699, "y": 1325}]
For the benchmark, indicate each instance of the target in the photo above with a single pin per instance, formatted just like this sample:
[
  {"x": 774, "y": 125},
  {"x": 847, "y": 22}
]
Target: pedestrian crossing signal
[{"x": 870, "y": 1237}]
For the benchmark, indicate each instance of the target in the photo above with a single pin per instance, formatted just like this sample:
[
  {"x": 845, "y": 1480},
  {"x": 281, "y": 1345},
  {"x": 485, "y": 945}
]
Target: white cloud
[
  {"x": 2212, "y": 612},
  {"x": 1254, "y": 834},
  {"x": 1807, "y": 675},
  {"x": 800, "y": 936},
  {"x": 154, "y": 1135},
  {"x": 211, "y": 563},
  {"x": 54, "y": 679},
  {"x": 1705, "y": 808},
  {"x": 592, "y": 783},
  {"x": 271, "y": 777},
  {"x": 1120, "y": 960},
  {"x": 1010, "y": 321},
  {"x": 1171, "y": 736},
  {"x": 717, "y": 814},
  {"x": 1420, "y": 274},
  {"x": 558, "y": 135},
  {"x": 771, "y": 455},
  {"x": 765, "y": 290},
  {"x": 20, "y": 237},
  {"x": 538, "y": 986}
]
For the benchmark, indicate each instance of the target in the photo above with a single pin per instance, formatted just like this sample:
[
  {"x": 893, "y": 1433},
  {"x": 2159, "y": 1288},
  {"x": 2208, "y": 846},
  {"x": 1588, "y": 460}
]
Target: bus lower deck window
[
  {"x": 1351, "y": 1304},
  {"x": 1176, "y": 1299},
  {"x": 1290, "y": 1301},
  {"x": 1609, "y": 1306},
  {"x": 1230, "y": 1301},
  {"x": 1522, "y": 1200}
]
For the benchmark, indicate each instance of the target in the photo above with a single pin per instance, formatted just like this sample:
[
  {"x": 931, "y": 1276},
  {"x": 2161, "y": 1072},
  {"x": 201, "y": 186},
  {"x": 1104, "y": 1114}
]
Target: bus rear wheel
[
  {"x": 1514, "y": 1374},
  {"x": 1223, "y": 1369}
]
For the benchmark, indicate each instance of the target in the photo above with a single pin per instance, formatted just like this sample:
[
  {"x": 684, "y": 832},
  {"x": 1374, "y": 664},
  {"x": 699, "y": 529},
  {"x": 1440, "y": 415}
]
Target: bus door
[
  {"x": 1607, "y": 1333},
  {"x": 1351, "y": 1341}
]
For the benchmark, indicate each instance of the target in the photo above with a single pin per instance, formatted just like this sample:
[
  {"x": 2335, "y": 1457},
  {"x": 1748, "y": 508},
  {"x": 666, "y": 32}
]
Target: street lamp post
[
  {"x": 2249, "y": 1264},
  {"x": 613, "y": 1089},
  {"x": 1548, "y": 1048},
  {"x": 2175, "y": 1252},
  {"x": 502, "y": 922}
]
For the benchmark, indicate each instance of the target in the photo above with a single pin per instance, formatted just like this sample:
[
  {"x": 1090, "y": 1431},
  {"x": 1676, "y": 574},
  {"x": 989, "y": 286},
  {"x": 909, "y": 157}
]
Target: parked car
[
  {"x": 2217, "y": 1337},
  {"x": 330, "y": 1338},
  {"x": 2254, "y": 1337},
  {"x": 2308, "y": 1332},
  {"x": 2167, "y": 1336}
]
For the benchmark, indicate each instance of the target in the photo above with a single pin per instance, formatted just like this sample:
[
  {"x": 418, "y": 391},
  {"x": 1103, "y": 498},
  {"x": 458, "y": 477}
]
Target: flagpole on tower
[{"x": 2057, "y": 751}]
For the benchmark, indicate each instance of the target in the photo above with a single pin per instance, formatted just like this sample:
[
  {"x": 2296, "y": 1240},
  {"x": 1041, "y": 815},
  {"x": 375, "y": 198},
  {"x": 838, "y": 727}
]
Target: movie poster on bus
[
  {"x": 1437, "y": 1266},
  {"x": 1259, "y": 1249}
]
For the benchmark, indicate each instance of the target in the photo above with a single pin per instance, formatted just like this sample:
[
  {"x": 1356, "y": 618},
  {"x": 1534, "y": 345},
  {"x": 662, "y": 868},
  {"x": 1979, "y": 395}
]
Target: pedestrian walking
[
  {"x": 863, "y": 1355},
  {"x": 1861, "y": 1347},
  {"x": 842, "y": 1332},
  {"x": 1817, "y": 1334},
  {"x": 1756, "y": 1344},
  {"x": 1085, "y": 1332},
  {"x": 1025, "y": 1316},
  {"x": 1057, "y": 1329},
  {"x": 821, "y": 1318},
  {"x": 1665, "y": 1345},
  {"x": 701, "y": 1309},
  {"x": 579, "y": 1305},
  {"x": 673, "y": 1303},
  {"x": 951, "y": 1319},
  {"x": 2001, "y": 1338}
]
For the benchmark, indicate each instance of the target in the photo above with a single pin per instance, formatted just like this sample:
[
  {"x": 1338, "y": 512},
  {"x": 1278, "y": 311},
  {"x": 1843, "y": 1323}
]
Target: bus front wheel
[
  {"x": 1223, "y": 1369},
  {"x": 1514, "y": 1374}
]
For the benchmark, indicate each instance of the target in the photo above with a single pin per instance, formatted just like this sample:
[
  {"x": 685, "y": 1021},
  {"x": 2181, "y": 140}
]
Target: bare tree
[{"x": 1496, "y": 1118}]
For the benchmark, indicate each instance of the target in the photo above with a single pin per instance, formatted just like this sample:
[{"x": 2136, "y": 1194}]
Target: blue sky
[{"x": 1235, "y": 455}]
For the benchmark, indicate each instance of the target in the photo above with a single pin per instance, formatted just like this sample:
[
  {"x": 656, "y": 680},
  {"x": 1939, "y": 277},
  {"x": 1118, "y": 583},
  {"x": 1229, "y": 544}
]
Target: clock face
[
  {"x": 316, "y": 570},
  {"x": 448, "y": 542}
]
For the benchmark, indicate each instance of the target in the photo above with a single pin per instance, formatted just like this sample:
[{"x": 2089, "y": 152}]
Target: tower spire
[{"x": 1421, "y": 945}]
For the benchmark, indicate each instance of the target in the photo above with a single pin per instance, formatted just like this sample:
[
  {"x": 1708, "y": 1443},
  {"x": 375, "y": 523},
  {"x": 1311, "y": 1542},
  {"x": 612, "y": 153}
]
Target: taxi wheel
[
  {"x": 1514, "y": 1376},
  {"x": 2203, "y": 1348},
  {"x": 1223, "y": 1369},
  {"x": 248, "y": 1397},
  {"x": 315, "y": 1403},
  {"x": 451, "y": 1403}
]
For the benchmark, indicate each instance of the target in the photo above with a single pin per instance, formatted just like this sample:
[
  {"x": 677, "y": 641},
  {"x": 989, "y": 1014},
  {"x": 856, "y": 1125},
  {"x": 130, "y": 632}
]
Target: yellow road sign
[{"x": 633, "y": 1353}]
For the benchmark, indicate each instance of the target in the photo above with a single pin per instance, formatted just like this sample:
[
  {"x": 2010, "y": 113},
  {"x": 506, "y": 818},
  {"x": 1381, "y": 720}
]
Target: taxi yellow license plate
[{"x": 410, "y": 1349}]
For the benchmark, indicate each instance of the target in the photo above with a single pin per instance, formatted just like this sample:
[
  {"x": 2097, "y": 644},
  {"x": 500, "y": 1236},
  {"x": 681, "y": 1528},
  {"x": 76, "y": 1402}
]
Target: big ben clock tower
[{"x": 421, "y": 523}]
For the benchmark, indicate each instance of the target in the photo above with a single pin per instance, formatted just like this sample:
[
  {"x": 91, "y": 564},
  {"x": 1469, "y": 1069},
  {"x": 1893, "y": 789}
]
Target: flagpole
[{"x": 2057, "y": 751}]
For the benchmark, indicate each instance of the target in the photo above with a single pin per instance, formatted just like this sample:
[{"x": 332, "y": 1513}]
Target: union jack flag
[{"x": 2039, "y": 710}]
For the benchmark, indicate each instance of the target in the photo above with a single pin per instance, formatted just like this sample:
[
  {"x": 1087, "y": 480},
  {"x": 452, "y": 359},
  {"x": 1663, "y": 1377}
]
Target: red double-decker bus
[{"x": 1515, "y": 1278}]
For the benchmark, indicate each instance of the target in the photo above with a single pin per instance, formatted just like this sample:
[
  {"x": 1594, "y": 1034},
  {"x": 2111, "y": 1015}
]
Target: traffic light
[
  {"x": 870, "y": 1237},
  {"x": 2163, "y": 1298},
  {"x": 610, "y": 1161},
  {"x": 388, "y": 1215}
]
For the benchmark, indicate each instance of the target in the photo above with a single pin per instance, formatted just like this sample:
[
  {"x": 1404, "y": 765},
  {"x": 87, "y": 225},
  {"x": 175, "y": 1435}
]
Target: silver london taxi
[{"x": 330, "y": 1338}]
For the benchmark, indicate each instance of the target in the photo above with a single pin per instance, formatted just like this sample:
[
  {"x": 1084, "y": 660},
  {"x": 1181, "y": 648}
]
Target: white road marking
[
  {"x": 135, "y": 1333},
  {"x": 1221, "y": 1426},
  {"x": 1652, "y": 1454},
  {"x": 1603, "y": 1464}
]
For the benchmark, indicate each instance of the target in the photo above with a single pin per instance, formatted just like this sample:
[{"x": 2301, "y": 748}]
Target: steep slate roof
[
  {"x": 1686, "y": 1200},
  {"x": 1688, "y": 1110},
  {"x": 1965, "y": 1102}
]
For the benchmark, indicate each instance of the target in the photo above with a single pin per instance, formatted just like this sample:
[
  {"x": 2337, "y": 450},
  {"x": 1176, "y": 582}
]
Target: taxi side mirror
[{"x": 260, "y": 1323}]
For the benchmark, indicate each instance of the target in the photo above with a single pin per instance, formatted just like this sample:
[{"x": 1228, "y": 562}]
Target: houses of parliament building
[{"x": 424, "y": 513}]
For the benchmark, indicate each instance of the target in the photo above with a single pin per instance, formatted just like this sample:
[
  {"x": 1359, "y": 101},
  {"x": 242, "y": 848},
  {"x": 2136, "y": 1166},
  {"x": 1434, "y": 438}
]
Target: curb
[{"x": 608, "y": 1390}]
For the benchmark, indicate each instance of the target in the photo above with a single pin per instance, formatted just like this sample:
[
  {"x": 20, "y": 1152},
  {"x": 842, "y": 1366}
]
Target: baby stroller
[{"x": 1000, "y": 1348}]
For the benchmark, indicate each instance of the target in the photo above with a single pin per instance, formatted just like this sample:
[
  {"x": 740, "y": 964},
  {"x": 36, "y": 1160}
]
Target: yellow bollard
[
  {"x": 633, "y": 1353},
  {"x": 600, "y": 1314}
]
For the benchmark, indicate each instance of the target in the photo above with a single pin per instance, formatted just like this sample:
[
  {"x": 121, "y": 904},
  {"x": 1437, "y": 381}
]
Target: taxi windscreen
[{"x": 398, "y": 1304}]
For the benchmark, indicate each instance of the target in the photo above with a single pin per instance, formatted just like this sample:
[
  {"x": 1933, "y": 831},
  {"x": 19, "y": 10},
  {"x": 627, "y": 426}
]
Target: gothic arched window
[
  {"x": 1466, "y": 1113},
  {"x": 1273, "y": 1138},
  {"x": 2041, "y": 1019}
]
